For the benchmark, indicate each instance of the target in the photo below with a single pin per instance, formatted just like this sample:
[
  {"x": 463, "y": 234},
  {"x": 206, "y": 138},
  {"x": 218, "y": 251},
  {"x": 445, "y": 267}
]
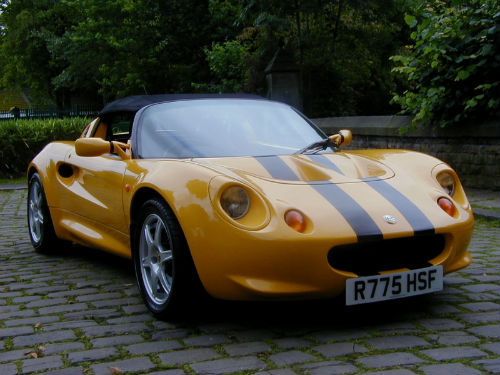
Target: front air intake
[{"x": 369, "y": 258}]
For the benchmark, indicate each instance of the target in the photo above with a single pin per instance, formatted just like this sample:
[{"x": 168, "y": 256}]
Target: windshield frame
[{"x": 138, "y": 123}]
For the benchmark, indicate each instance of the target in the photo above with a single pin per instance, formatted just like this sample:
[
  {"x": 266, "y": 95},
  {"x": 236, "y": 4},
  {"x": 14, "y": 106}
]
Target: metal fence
[{"x": 38, "y": 113}]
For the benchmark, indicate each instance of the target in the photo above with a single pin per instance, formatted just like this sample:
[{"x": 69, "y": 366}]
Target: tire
[
  {"x": 164, "y": 269},
  {"x": 40, "y": 226}
]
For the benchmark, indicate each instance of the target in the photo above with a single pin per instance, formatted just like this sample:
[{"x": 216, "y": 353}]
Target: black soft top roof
[{"x": 136, "y": 102}]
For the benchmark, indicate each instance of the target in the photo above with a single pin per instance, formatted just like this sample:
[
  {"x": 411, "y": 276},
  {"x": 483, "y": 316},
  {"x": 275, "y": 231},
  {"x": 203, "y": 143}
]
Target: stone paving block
[
  {"x": 2, "y": 345},
  {"x": 63, "y": 347},
  {"x": 66, "y": 371},
  {"x": 338, "y": 335},
  {"x": 12, "y": 355},
  {"x": 340, "y": 349},
  {"x": 17, "y": 314},
  {"x": 127, "y": 365},
  {"x": 254, "y": 335},
  {"x": 116, "y": 302},
  {"x": 449, "y": 368},
  {"x": 481, "y": 306},
  {"x": 490, "y": 331},
  {"x": 62, "y": 308},
  {"x": 485, "y": 317},
  {"x": 24, "y": 299},
  {"x": 480, "y": 288},
  {"x": 169, "y": 334},
  {"x": 46, "y": 302},
  {"x": 453, "y": 338},
  {"x": 8, "y": 369},
  {"x": 131, "y": 319},
  {"x": 392, "y": 372},
  {"x": 91, "y": 355},
  {"x": 396, "y": 327},
  {"x": 228, "y": 366},
  {"x": 135, "y": 309},
  {"x": 32, "y": 321},
  {"x": 280, "y": 371},
  {"x": 389, "y": 360},
  {"x": 153, "y": 347},
  {"x": 10, "y": 332},
  {"x": 76, "y": 292},
  {"x": 43, "y": 338},
  {"x": 189, "y": 355},
  {"x": 206, "y": 340},
  {"x": 97, "y": 297},
  {"x": 493, "y": 347},
  {"x": 292, "y": 357},
  {"x": 70, "y": 324},
  {"x": 490, "y": 365},
  {"x": 111, "y": 330},
  {"x": 445, "y": 354},
  {"x": 329, "y": 368},
  {"x": 42, "y": 363},
  {"x": 89, "y": 314},
  {"x": 116, "y": 340},
  {"x": 291, "y": 343},
  {"x": 440, "y": 324},
  {"x": 176, "y": 371},
  {"x": 247, "y": 348},
  {"x": 396, "y": 342}
]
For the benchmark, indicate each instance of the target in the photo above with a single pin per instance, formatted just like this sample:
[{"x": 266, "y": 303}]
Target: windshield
[{"x": 222, "y": 127}]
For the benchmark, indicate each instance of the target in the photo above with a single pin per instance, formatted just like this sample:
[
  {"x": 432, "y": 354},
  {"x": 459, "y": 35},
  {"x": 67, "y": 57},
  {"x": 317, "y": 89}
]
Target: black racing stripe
[
  {"x": 325, "y": 162},
  {"x": 277, "y": 168},
  {"x": 366, "y": 229},
  {"x": 420, "y": 223}
]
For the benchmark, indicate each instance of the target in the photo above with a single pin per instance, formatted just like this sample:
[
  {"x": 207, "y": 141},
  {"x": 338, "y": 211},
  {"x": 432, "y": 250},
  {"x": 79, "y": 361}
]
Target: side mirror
[
  {"x": 98, "y": 147},
  {"x": 92, "y": 147},
  {"x": 342, "y": 138}
]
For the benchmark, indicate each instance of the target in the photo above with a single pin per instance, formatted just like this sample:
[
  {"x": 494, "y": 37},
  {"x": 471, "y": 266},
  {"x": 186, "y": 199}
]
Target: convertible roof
[{"x": 136, "y": 102}]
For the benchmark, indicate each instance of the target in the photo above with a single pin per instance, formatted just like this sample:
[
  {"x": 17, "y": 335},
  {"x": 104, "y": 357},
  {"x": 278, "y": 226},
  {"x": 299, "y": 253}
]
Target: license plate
[{"x": 376, "y": 288}]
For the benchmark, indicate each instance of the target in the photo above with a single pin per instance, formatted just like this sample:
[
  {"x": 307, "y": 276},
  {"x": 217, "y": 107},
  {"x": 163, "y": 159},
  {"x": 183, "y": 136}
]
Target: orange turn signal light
[
  {"x": 296, "y": 220},
  {"x": 447, "y": 206}
]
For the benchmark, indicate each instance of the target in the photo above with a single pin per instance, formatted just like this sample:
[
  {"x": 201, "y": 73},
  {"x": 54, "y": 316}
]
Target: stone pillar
[{"x": 283, "y": 79}]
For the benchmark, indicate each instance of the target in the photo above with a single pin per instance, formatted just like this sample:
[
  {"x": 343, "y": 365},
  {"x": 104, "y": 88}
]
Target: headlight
[
  {"x": 235, "y": 201},
  {"x": 447, "y": 182}
]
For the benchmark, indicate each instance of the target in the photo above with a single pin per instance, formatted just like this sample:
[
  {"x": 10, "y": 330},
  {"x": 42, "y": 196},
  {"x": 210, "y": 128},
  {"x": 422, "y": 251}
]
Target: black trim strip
[
  {"x": 420, "y": 223},
  {"x": 277, "y": 168},
  {"x": 325, "y": 162},
  {"x": 366, "y": 229}
]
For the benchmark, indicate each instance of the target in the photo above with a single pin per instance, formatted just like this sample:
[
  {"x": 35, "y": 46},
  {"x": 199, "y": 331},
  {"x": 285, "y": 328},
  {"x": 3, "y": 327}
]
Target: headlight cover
[
  {"x": 447, "y": 182},
  {"x": 235, "y": 201}
]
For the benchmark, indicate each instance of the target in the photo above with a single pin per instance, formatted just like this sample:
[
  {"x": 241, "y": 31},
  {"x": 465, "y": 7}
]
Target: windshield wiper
[{"x": 316, "y": 146}]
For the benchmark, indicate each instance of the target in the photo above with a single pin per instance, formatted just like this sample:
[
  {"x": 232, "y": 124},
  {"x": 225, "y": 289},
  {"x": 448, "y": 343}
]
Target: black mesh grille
[{"x": 368, "y": 258}]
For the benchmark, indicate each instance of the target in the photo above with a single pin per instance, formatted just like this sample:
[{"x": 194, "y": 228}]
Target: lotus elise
[{"x": 249, "y": 200}]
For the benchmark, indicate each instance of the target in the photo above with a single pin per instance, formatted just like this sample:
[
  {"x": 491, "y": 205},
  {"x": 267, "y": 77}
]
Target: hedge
[{"x": 21, "y": 140}]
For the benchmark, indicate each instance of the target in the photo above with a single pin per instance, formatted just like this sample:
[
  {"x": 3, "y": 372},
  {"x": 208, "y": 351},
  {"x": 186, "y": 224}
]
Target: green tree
[{"x": 452, "y": 66}]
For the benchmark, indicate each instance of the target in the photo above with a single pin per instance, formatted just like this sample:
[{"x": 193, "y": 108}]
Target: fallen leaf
[
  {"x": 38, "y": 325},
  {"x": 115, "y": 370},
  {"x": 34, "y": 355},
  {"x": 41, "y": 348}
]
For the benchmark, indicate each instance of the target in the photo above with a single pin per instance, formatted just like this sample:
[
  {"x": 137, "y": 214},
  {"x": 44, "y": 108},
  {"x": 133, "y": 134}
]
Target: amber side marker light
[
  {"x": 447, "y": 206},
  {"x": 296, "y": 220}
]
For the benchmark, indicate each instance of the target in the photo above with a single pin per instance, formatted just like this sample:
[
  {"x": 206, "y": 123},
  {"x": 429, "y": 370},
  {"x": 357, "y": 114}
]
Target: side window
[{"x": 120, "y": 125}]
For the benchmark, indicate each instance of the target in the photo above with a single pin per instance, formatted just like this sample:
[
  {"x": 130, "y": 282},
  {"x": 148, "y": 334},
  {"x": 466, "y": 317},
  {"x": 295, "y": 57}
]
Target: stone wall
[{"x": 473, "y": 151}]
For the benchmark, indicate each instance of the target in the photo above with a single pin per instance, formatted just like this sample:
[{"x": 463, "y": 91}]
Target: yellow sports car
[{"x": 247, "y": 198}]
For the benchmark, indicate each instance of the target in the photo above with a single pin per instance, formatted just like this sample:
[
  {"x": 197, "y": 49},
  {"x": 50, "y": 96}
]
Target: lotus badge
[{"x": 390, "y": 219}]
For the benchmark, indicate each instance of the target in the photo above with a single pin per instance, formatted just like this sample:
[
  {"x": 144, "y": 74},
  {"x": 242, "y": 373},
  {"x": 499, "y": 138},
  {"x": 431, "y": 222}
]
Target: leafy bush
[
  {"x": 228, "y": 63},
  {"x": 452, "y": 67},
  {"x": 21, "y": 140}
]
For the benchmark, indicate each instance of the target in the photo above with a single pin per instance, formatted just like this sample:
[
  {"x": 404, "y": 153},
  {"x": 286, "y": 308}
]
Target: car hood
[{"x": 334, "y": 168}]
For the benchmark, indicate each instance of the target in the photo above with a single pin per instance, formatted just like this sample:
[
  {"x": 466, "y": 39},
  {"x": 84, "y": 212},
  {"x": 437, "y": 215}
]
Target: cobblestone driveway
[{"x": 78, "y": 312}]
